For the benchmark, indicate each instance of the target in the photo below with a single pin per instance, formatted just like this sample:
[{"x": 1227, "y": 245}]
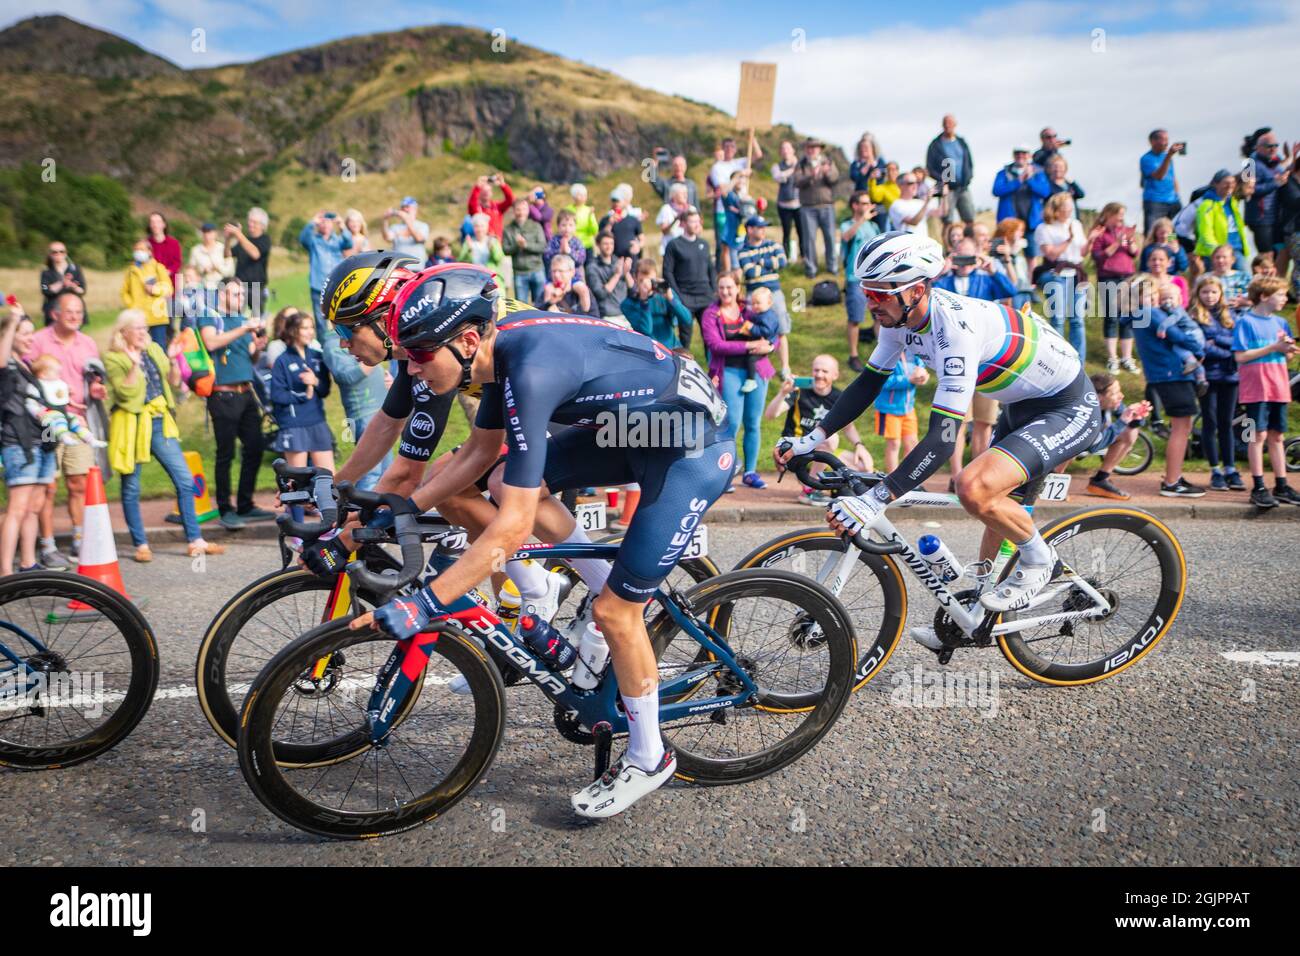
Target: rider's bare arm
[
  {"x": 480, "y": 450},
  {"x": 499, "y": 540},
  {"x": 402, "y": 477},
  {"x": 376, "y": 441}
]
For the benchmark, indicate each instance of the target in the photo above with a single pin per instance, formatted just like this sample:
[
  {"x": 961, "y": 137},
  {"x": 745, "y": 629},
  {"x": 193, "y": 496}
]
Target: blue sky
[
  {"x": 593, "y": 31},
  {"x": 1103, "y": 72}
]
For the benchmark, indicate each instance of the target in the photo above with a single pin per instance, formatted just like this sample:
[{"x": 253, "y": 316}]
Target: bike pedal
[{"x": 945, "y": 655}]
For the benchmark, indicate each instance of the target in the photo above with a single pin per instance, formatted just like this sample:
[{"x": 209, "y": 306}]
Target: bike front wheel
[
  {"x": 427, "y": 763},
  {"x": 90, "y": 669},
  {"x": 1136, "y": 563},
  {"x": 873, "y": 592},
  {"x": 254, "y": 625},
  {"x": 795, "y": 642}
]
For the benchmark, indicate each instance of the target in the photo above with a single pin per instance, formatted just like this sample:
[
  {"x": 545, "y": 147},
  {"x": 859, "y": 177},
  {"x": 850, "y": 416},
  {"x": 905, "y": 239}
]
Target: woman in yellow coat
[
  {"x": 142, "y": 427},
  {"x": 147, "y": 288}
]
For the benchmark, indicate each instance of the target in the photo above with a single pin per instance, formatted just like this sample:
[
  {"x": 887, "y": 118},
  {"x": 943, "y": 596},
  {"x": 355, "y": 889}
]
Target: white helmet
[{"x": 900, "y": 258}]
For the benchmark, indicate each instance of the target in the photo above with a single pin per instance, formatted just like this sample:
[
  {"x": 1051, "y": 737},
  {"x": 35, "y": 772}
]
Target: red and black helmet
[
  {"x": 436, "y": 305},
  {"x": 362, "y": 287}
]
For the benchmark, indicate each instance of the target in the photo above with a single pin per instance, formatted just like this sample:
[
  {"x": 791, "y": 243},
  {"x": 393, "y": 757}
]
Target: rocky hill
[{"x": 207, "y": 141}]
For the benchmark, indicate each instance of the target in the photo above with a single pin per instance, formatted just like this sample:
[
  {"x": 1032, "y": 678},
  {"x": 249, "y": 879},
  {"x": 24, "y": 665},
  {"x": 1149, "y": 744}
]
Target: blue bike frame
[
  {"x": 403, "y": 667},
  {"x": 16, "y": 663}
]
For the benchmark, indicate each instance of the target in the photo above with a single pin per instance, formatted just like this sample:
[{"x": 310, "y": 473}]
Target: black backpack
[{"x": 826, "y": 292}]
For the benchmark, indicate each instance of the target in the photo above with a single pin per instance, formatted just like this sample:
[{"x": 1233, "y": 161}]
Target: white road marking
[
  {"x": 1267, "y": 658},
  {"x": 353, "y": 686}
]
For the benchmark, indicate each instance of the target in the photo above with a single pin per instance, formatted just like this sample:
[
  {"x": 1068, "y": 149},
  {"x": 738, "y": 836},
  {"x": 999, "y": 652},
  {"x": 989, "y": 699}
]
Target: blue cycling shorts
[{"x": 677, "y": 487}]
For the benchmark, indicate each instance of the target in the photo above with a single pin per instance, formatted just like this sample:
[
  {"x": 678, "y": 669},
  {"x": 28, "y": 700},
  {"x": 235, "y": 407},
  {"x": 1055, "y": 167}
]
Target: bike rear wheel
[
  {"x": 99, "y": 667},
  {"x": 803, "y": 685},
  {"x": 424, "y": 766},
  {"x": 874, "y": 594},
  {"x": 1136, "y": 563}
]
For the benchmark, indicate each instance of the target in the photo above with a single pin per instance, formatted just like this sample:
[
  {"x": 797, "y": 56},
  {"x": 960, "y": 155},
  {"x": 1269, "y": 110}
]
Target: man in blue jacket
[
  {"x": 948, "y": 161},
  {"x": 1021, "y": 188},
  {"x": 326, "y": 239}
]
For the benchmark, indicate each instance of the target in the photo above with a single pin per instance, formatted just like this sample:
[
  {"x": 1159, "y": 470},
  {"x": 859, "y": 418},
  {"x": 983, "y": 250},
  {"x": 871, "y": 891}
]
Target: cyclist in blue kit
[{"x": 553, "y": 385}]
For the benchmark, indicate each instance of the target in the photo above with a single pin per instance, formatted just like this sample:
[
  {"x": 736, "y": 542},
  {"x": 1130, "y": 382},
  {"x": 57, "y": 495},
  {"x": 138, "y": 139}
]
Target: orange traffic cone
[
  {"x": 98, "y": 557},
  {"x": 631, "y": 498}
]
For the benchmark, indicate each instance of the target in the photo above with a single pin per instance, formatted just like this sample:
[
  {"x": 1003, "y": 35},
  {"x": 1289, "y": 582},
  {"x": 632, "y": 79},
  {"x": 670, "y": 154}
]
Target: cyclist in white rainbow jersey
[{"x": 1050, "y": 410}]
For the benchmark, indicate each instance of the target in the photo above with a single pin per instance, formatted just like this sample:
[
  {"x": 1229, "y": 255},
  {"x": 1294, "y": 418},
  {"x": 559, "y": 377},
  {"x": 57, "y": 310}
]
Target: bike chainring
[
  {"x": 950, "y": 632},
  {"x": 570, "y": 729}
]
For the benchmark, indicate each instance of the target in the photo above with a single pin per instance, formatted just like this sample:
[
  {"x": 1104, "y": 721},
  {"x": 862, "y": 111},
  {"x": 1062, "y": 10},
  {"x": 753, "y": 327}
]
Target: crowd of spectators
[{"x": 1192, "y": 293}]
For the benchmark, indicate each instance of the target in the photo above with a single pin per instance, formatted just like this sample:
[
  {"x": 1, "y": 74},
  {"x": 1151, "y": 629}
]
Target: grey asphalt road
[{"x": 1187, "y": 758}]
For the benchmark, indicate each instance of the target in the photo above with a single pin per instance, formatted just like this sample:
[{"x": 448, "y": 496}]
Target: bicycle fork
[{"x": 408, "y": 660}]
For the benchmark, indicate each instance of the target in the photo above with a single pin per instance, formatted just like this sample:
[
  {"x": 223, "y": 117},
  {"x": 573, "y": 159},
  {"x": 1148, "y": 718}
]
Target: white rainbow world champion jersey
[{"x": 974, "y": 345}]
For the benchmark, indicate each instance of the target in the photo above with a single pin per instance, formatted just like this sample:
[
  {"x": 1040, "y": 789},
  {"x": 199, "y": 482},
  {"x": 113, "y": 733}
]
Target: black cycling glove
[{"x": 326, "y": 557}]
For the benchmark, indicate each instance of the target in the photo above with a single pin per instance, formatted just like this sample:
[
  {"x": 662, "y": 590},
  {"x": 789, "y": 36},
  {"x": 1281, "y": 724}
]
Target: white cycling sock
[
  {"x": 1035, "y": 551},
  {"x": 645, "y": 746},
  {"x": 529, "y": 578},
  {"x": 594, "y": 571}
]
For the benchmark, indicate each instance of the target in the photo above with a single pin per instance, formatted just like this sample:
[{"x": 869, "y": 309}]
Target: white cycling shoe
[
  {"x": 1020, "y": 587},
  {"x": 622, "y": 785},
  {"x": 926, "y": 637},
  {"x": 547, "y": 606}
]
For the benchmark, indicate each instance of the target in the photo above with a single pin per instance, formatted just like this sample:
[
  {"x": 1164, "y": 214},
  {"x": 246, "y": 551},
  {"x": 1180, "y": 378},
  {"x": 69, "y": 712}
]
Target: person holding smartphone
[
  {"x": 1159, "y": 184},
  {"x": 234, "y": 341},
  {"x": 805, "y": 400}
]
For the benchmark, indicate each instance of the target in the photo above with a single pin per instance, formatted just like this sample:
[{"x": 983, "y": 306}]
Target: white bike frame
[{"x": 968, "y": 619}]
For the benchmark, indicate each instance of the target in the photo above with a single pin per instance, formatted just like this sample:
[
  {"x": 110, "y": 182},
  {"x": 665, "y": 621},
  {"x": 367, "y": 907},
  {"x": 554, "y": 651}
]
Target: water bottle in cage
[
  {"x": 546, "y": 642},
  {"x": 941, "y": 560}
]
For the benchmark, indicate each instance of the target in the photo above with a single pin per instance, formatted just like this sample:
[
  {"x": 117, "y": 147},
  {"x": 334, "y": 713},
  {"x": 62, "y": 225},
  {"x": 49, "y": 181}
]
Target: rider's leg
[
  {"x": 676, "y": 492},
  {"x": 623, "y": 624},
  {"x": 574, "y": 460},
  {"x": 983, "y": 486}
]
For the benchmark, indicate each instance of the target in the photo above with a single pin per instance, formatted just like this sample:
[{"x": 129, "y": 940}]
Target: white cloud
[{"x": 1005, "y": 86}]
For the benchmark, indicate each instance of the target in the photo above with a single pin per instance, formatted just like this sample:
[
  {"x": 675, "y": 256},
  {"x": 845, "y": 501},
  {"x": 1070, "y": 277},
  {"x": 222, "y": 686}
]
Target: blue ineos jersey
[{"x": 582, "y": 372}]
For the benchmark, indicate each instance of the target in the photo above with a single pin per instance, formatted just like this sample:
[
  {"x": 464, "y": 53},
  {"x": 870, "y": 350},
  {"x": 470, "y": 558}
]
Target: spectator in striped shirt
[{"x": 760, "y": 261}]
